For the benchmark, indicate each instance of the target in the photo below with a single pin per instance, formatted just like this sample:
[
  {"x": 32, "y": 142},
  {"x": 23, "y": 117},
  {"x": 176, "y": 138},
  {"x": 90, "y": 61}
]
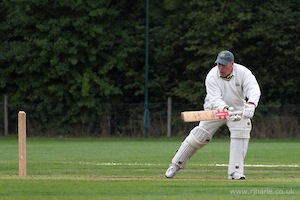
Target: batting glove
[
  {"x": 233, "y": 116},
  {"x": 248, "y": 111}
]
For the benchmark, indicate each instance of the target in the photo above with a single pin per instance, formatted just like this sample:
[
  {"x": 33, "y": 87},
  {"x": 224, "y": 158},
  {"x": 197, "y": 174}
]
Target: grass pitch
[{"x": 123, "y": 168}]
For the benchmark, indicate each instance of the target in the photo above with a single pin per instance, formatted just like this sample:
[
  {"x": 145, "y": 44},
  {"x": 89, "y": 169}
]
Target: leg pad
[{"x": 197, "y": 138}]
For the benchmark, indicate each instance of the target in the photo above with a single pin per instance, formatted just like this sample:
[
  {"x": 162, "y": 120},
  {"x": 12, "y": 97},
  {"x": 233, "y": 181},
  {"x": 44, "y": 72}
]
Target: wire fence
[{"x": 127, "y": 120}]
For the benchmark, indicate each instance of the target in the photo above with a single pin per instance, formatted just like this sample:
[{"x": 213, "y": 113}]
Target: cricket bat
[{"x": 204, "y": 115}]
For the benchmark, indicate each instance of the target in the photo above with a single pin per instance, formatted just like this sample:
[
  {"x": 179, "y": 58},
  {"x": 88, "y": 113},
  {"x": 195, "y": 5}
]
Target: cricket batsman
[{"x": 228, "y": 86}]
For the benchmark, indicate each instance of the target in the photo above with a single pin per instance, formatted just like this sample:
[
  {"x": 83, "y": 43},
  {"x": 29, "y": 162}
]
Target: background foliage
[{"x": 65, "y": 58}]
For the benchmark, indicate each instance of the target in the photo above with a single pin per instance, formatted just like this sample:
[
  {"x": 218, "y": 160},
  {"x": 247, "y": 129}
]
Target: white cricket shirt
[{"x": 242, "y": 87}]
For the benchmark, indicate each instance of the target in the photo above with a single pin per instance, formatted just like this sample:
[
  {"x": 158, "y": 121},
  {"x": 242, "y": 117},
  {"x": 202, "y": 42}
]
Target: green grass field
[{"x": 124, "y": 168}]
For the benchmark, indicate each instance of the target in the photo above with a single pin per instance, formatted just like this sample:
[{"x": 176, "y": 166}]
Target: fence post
[
  {"x": 169, "y": 120},
  {"x": 5, "y": 116}
]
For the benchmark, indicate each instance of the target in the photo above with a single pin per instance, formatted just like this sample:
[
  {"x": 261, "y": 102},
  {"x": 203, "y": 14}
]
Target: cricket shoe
[
  {"x": 172, "y": 170},
  {"x": 236, "y": 176}
]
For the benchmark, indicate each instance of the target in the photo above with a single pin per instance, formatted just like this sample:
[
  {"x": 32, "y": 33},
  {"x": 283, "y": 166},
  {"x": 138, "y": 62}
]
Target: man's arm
[
  {"x": 252, "y": 89},
  {"x": 214, "y": 94}
]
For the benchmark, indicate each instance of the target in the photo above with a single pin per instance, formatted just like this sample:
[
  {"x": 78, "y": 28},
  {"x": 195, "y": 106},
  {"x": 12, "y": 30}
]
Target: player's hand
[
  {"x": 233, "y": 116},
  {"x": 248, "y": 111}
]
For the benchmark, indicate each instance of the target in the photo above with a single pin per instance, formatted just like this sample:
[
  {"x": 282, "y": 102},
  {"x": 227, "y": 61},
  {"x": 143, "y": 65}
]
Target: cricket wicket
[{"x": 22, "y": 142}]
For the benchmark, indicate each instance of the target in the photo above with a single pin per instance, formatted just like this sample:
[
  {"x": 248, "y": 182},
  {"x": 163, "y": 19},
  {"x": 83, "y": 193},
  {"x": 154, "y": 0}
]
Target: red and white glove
[{"x": 249, "y": 109}]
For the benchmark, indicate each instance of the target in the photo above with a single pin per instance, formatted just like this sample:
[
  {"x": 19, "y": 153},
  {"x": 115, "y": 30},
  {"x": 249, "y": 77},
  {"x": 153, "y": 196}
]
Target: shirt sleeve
[
  {"x": 213, "y": 98},
  {"x": 251, "y": 88}
]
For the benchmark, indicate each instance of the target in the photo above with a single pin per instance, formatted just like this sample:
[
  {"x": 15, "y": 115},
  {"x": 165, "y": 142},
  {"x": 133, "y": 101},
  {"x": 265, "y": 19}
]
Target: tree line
[{"x": 66, "y": 57}]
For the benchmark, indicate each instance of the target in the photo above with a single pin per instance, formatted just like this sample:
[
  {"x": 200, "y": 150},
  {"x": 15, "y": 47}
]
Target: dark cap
[{"x": 224, "y": 57}]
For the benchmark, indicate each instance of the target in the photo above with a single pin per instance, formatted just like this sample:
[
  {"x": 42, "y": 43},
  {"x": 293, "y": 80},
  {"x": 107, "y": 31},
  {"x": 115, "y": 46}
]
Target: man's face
[{"x": 225, "y": 70}]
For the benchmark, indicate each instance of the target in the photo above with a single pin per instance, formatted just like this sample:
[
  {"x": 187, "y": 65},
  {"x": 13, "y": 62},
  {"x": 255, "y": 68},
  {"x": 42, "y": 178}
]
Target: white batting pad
[
  {"x": 200, "y": 136},
  {"x": 183, "y": 154},
  {"x": 238, "y": 150},
  {"x": 240, "y": 129}
]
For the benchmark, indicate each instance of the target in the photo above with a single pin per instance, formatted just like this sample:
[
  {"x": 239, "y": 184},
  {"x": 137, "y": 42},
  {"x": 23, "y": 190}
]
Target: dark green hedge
[{"x": 66, "y": 57}]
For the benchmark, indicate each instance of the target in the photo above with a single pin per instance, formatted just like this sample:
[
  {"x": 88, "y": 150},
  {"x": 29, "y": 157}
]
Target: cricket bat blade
[{"x": 203, "y": 115}]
